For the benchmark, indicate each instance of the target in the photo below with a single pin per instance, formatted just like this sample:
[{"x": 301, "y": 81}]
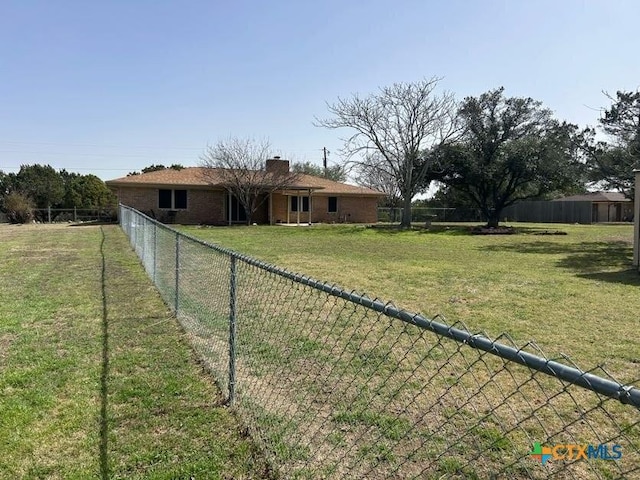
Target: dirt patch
[
  {"x": 551, "y": 232},
  {"x": 6, "y": 340},
  {"x": 484, "y": 230}
]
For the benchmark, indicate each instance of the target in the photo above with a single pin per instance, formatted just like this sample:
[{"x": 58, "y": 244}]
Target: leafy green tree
[
  {"x": 155, "y": 168},
  {"x": 7, "y": 183},
  {"x": 87, "y": 191},
  {"x": 337, "y": 173},
  {"x": 42, "y": 184},
  {"x": 611, "y": 164},
  {"x": 512, "y": 149}
]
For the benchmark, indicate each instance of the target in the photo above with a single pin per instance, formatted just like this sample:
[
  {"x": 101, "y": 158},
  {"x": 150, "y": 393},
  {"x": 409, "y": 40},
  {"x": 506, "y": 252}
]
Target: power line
[
  {"x": 81, "y": 154},
  {"x": 95, "y": 145},
  {"x": 77, "y": 168}
]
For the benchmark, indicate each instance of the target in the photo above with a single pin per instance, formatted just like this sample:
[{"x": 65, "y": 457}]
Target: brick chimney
[{"x": 276, "y": 165}]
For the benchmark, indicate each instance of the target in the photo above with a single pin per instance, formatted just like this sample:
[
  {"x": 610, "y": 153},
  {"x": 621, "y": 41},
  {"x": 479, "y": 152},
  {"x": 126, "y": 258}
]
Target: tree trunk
[
  {"x": 493, "y": 219},
  {"x": 406, "y": 213}
]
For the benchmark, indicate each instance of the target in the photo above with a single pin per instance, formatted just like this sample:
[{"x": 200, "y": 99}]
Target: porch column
[
  {"x": 309, "y": 206},
  {"x": 299, "y": 208},
  {"x": 636, "y": 223},
  {"x": 229, "y": 191},
  {"x": 288, "y": 209}
]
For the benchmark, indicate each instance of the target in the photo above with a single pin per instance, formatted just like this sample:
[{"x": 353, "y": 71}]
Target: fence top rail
[{"x": 626, "y": 394}]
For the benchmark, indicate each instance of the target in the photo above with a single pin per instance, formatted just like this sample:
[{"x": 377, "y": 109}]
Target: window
[
  {"x": 172, "y": 199},
  {"x": 238, "y": 213},
  {"x": 294, "y": 204},
  {"x": 164, "y": 199},
  {"x": 180, "y": 199},
  {"x": 332, "y": 205}
]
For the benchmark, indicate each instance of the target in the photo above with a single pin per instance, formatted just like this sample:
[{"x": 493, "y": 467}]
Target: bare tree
[
  {"x": 239, "y": 164},
  {"x": 402, "y": 124},
  {"x": 380, "y": 180}
]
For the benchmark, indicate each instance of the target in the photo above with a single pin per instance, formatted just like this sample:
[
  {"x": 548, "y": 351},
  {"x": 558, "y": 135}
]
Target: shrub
[{"x": 18, "y": 207}]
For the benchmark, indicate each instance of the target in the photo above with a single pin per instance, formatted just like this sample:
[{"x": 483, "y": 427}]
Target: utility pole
[{"x": 324, "y": 158}]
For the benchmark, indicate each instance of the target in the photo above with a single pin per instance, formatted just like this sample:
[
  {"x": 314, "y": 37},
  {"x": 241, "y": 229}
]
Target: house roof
[
  {"x": 595, "y": 197},
  {"x": 212, "y": 177}
]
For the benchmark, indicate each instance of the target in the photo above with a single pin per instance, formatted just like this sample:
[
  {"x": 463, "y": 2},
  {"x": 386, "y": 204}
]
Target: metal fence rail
[
  {"x": 333, "y": 384},
  {"x": 60, "y": 215}
]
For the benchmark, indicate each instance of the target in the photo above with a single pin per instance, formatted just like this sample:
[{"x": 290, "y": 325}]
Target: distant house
[
  {"x": 605, "y": 206},
  {"x": 197, "y": 195},
  {"x": 593, "y": 207}
]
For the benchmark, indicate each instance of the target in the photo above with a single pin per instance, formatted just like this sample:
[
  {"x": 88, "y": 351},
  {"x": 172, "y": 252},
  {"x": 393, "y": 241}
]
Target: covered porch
[{"x": 292, "y": 206}]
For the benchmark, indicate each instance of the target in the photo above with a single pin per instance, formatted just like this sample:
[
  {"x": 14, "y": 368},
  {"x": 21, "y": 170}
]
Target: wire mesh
[{"x": 332, "y": 384}]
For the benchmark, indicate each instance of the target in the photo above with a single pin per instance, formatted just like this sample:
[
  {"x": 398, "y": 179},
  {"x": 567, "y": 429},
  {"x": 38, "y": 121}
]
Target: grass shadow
[
  {"x": 630, "y": 276},
  {"x": 433, "y": 229},
  {"x": 455, "y": 229},
  {"x": 94, "y": 223},
  {"x": 602, "y": 261},
  {"x": 104, "y": 374}
]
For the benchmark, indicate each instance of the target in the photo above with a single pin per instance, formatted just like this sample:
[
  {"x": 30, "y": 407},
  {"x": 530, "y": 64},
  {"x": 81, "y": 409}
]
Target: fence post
[
  {"x": 232, "y": 332},
  {"x": 155, "y": 252},
  {"x": 143, "y": 249},
  {"x": 177, "y": 299},
  {"x": 49, "y": 213}
]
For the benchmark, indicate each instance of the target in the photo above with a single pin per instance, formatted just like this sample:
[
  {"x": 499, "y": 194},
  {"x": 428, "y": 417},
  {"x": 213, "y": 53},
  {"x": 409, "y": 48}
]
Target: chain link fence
[
  {"x": 332, "y": 384},
  {"x": 60, "y": 215},
  {"x": 429, "y": 214}
]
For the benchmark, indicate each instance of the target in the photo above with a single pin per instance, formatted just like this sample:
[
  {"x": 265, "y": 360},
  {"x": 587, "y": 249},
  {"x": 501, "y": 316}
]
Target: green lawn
[
  {"x": 96, "y": 378},
  {"x": 574, "y": 294}
]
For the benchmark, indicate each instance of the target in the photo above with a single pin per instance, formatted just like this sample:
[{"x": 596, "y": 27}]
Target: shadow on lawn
[
  {"x": 601, "y": 261},
  {"x": 450, "y": 229},
  {"x": 434, "y": 229},
  {"x": 104, "y": 374}
]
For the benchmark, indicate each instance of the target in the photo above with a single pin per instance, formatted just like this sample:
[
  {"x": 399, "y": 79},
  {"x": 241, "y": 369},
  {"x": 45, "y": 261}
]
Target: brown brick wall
[
  {"x": 277, "y": 165},
  {"x": 279, "y": 208},
  {"x": 210, "y": 207},
  {"x": 351, "y": 209},
  {"x": 203, "y": 206}
]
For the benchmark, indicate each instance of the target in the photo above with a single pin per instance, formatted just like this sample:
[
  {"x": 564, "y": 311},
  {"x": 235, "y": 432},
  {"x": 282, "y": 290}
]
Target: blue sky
[{"x": 113, "y": 86}]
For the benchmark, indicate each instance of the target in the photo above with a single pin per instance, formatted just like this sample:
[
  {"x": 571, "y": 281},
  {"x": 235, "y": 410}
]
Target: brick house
[{"x": 196, "y": 195}]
